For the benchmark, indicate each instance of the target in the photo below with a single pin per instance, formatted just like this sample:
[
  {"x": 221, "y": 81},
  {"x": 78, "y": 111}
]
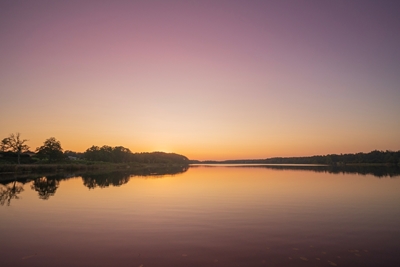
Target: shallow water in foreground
[{"x": 206, "y": 216}]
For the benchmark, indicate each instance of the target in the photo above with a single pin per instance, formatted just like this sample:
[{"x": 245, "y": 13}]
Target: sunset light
[
  {"x": 206, "y": 79},
  {"x": 217, "y": 133}
]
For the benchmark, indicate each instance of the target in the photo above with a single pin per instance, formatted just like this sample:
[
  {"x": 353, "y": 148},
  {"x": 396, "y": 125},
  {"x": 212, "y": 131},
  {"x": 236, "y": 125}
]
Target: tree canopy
[
  {"x": 51, "y": 150},
  {"x": 15, "y": 144},
  {"x": 120, "y": 154}
]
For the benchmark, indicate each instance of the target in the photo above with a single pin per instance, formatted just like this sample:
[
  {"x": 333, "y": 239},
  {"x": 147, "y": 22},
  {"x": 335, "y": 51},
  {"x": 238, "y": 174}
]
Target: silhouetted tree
[
  {"x": 108, "y": 154},
  {"x": 92, "y": 153},
  {"x": 159, "y": 157},
  {"x": 14, "y": 144},
  {"x": 121, "y": 154},
  {"x": 51, "y": 150}
]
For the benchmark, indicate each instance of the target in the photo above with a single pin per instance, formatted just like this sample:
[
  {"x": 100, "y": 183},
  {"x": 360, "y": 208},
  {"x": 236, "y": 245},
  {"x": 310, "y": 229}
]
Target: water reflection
[
  {"x": 377, "y": 171},
  {"x": 102, "y": 180},
  {"x": 105, "y": 179},
  {"x": 45, "y": 186},
  {"x": 216, "y": 216},
  {"x": 10, "y": 191},
  {"x": 162, "y": 170}
]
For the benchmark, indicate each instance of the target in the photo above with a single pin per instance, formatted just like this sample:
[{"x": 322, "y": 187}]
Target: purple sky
[{"x": 208, "y": 79}]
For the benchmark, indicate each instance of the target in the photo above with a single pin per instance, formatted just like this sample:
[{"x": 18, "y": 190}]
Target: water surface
[{"x": 203, "y": 216}]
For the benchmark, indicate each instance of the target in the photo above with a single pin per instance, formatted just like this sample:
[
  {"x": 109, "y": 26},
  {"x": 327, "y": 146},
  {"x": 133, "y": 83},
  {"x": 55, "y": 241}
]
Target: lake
[{"x": 204, "y": 216}]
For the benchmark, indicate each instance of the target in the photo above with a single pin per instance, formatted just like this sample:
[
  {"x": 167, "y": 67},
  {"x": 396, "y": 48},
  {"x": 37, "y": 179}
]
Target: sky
[{"x": 206, "y": 79}]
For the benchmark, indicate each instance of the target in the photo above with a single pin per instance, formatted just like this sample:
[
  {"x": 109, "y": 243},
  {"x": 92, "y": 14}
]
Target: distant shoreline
[{"x": 373, "y": 158}]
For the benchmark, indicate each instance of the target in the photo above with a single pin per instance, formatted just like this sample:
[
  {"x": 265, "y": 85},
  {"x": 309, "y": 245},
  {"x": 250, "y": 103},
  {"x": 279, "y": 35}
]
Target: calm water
[{"x": 203, "y": 216}]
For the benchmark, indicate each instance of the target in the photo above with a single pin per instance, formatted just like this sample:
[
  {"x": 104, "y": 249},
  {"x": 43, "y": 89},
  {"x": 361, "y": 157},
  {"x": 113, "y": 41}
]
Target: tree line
[
  {"x": 14, "y": 146},
  {"x": 373, "y": 157},
  {"x": 120, "y": 154},
  {"x": 13, "y": 149}
]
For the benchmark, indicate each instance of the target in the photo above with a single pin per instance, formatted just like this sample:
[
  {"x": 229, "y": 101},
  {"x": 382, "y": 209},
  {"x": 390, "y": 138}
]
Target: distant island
[{"x": 372, "y": 158}]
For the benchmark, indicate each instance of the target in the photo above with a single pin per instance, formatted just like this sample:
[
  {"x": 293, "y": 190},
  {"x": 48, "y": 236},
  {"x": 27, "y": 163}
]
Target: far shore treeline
[
  {"x": 13, "y": 149},
  {"x": 372, "y": 158}
]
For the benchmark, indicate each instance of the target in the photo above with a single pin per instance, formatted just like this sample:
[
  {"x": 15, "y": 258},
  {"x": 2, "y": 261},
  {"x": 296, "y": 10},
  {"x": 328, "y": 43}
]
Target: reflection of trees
[
  {"x": 10, "y": 191},
  {"x": 161, "y": 170},
  {"x": 105, "y": 179},
  {"x": 45, "y": 187},
  {"x": 119, "y": 178},
  {"x": 377, "y": 171}
]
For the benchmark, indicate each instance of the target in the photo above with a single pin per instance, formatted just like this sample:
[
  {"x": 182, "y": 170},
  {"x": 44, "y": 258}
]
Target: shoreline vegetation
[
  {"x": 68, "y": 167},
  {"x": 16, "y": 158}
]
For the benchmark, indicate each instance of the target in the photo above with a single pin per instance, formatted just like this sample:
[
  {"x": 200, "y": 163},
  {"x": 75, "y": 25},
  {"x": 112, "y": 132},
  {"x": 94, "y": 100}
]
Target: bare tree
[{"x": 14, "y": 144}]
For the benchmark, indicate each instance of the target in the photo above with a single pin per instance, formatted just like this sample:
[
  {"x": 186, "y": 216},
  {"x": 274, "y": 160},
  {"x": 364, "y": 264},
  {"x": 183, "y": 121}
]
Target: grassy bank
[{"x": 39, "y": 168}]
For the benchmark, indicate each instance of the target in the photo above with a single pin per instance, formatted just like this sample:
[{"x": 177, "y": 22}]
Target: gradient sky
[{"x": 207, "y": 79}]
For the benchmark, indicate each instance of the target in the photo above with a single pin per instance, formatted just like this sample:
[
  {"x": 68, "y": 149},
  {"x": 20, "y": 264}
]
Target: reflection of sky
[{"x": 208, "y": 80}]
